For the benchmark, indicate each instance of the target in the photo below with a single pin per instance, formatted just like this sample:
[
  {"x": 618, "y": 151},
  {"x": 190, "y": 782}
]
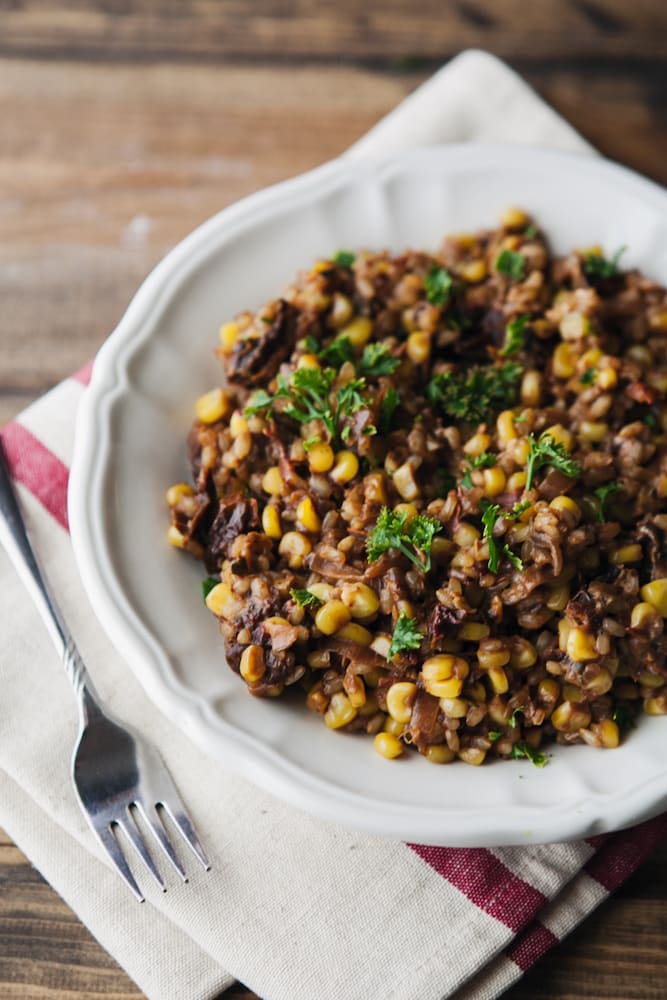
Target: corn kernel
[
  {"x": 492, "y": 653},
  {"x": 238, "y": 424},
  {"x": 473, "y": 271},
  {"x": 271, "y": 522},
  {"x": 644, "y": 615},
  {"x": 321, "y": 457},
  {"x": 213, "y": 406},
  {"x": 581, "y": 646},
  {"x": 531, "y": 388},
  {"x": 564, "y": 629},
  {"x": 309, "y": 361},
  {"x": 345, "y": 468},
  {"x": 523, "y": 654},
  {"x": 405, "y": 482},
  {"x": 332, "y": 616},
  {"x": 358, "y": 331},
  {"x": 473, "y": 631},
  {"x": 600, "y": 684},
  {"x": 655, "y": 593},
  {"x": 439, "y": 753},
  {"x": 608, "y": 733},
  {"x": 514, "y": 218},
  {"x": 564, "y": 360},
  {"x": 294, "y": 547},
  {"x": 340, "y": 711},
  {"x": 516, "y": 482},
  {"x": 455, "y": 708},
  {"x": 408, "y": 509},
  {"x": 361, "y": 599},
  {"x": 606, "y": 378},
  {"x": 561, "y": 435},
  {"x": 570, "y": 718},
  {"x": 656, "y": 705},
  {"x": 387, "y": 745},
  {"x": 374, "y": 487},
  {"x": 568, "y": 506},
  {"x": 393, "y": 727},
  {"x": 574, "y": 326},
  {"x": 495, "y": 481},
  {"x": 175, "y": 538},
  {"x": 341, "y": 310},
  {"x": 499, "y": 681},
  {"x": 252, "y": 666},
  {"x": 217, "y": 598},
  {"x": 505, "y": 429},
  {"x": 177, "y": 492},
  {"x": 418, "y": 347},
  {"x": 627, "y": 554},
  {"x": 356, "y": 633},
  {"x": 272, "y": 481},
  {"x": 548, "y": 690},
  {"x": 353, "y": 686},
  {"x": 400, "y": 699},
  {"x": 558, "y": 597},
  {"x": 593, "y": 431},
  {"x": 228, "y": 334},
  {"x": 477, "y": 444},
  {"x": 472, "y": 755},
  {"x": 443, "y": 675},
  {"x": 308, "y": 516},
  {"x": 466, "y": 535}
]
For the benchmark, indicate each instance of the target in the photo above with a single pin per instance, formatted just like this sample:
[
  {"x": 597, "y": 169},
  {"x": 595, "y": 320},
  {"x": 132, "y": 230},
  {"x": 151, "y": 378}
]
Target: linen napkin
[{"x": 294, "y": 907}]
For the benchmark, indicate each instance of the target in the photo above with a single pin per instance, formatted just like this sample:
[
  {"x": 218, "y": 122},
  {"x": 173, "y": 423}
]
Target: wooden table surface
[{"x": 125, "y": 124}]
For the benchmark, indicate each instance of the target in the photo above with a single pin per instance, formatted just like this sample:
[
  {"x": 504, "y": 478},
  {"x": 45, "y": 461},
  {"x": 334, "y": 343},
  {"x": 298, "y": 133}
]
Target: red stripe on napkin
[
  {"x": 531, "y": 946},
  {"x": 38, "y": 469},
  {"x": 623, "y": 853},
  {"x": 487, "y": 883},
  {"x": 83, "y": 374}
]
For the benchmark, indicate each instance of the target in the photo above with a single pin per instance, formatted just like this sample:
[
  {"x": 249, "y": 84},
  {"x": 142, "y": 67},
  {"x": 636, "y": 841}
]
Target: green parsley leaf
[
  {"x": 546, "y": 451},
  {"x": 588, "y": 378},
  {"x": 388, "y": 406},
  {"x": 406, "y": 636},
  {"x": 491, "y": 513},
  {"x": 337, "y": 352},
  {"x": 511, "y": 264},
  {"x": 377, "y": 360},
  {"x": 305, "y": 599},
  {"x": 310, "y": 344},
  {"x": 514, "y": 336},
  {"x": 522, "y": 751},
  {"x": 513, "y": 721},
  {"x": 650, "y": 420},
  {"x": 520, "y": 507},
  {"x": 474, "y": 394},
  {"x": 516, "y": 560},
  {"x": 602, "y": 492},
  {"x": 344, "y": 258},
  {"x": 597, "y": 266},
  {"x": 393, "y": 530},
  {"x": 437, "y": 285},
  {"x": 483, "y": 461},
  {"x": 260, "y": 400},
  {"x": 530, "y": 232},
  {"x": 207, "y": 585},
  {"x": 624, "y": 717},
  {"x": 494, "y": 735}
]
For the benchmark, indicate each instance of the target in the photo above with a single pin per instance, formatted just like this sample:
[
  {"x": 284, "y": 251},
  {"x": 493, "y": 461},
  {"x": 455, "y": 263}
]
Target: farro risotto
[{"x": 433, "y": 496}]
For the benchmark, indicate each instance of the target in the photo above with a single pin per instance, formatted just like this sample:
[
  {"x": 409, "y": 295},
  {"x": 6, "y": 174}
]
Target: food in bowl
[{"x": 433, "y": 496}]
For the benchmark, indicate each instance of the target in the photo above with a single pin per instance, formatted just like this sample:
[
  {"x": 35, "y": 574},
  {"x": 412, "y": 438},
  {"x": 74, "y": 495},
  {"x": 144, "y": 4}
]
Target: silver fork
[{"x": 116, "y": 773}]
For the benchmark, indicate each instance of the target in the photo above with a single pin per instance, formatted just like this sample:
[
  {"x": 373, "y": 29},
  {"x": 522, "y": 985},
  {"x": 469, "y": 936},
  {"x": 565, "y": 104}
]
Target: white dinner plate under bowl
[{"x": 130, "y": 446}]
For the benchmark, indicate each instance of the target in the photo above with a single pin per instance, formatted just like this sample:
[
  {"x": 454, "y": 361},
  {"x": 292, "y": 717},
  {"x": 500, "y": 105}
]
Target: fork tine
[
  {"x": 132, "y": 832},
  {"x": 176, "y": 811},
  {"x": 106, "y": 837},
  {"x": 161, "y": 835}
]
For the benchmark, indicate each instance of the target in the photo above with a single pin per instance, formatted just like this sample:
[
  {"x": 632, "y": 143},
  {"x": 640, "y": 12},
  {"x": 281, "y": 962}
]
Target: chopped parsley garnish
[
  {"x": 474, "y": 394},
  {"x": 511, "y": 264},
  {"x": 406, "y": 636},
  {"x": 530, "y": 232},
  {"x": 388, "y": 406},
  {"x": 344, "y": 258},
  {"x": 377, "y": 360},
  {"x": 437, "y": 285},
  {"x": 491, "y": 513},
  {"x": 411, "y": 536},
  {"x": 310, "y": 344},
  {"x": 207, "y": 585},
  {"x": 305, "y": 599},
  {"x": 650, "y": 420},
  {"x": 513, "y": 721},
  {"x": 494, "y": 735},
  {"x": 337, "y": 352},
  {"x": 483, "y": 461},
  {"x": 546, "y": 451},
  {"x": 521, "y": 751},
  {"x": 602, "y": 492},
  {"x": 514, "y": 336},
  {"x": 588, "y": 378},
  {"x": 624, "y": 717},
  {"x": 597, "y": 266}
]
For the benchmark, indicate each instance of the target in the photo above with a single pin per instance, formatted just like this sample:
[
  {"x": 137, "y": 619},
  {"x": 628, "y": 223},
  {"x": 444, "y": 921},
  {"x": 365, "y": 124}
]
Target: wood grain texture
[{"x": 125, "y": 123}]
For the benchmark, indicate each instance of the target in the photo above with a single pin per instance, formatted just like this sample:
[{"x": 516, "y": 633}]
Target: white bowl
[{"x": 130, "y": 445}]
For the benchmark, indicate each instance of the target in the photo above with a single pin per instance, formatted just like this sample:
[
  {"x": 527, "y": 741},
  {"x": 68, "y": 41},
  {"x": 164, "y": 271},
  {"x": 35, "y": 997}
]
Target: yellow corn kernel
[
  {"x": 644, "y": 616},
  {"x": 321, "y": 457},
  {"x": 499, "y": 681},
  {"x": 341, "y": 310},
  {"x": 393, "y": 727},
  {"x": 569, "y": 506},
  {"x": 177, "y": 492},
  {"x": 439, "y": 753},
  {"x": 656, "y": 705},
  {"x": 472, "y": 755},
  {"x": 358, "y": 331},
  {"x": 573, "y": 693},
  {"x": 455, "y": 708},
  {"x": 560, "y": 435},
  {"x": 319, "y": 659},
  {"x": 466, "y": 535},
  {"x": 570, "y": 718},
  {"x": 252, "y": 667},
  {"x": 505, "y": 429},
  {"x": 564, "y": 360},
  {"x": 574, "y": 326},
  {"x": 271, "y": 522},
  {"x": 443, "y": 675},
  {"x": 473, "y": 631},
  {"x": 361, "y": 599},
  {"x": 650, "y": 680},
  {"x": 175, "y": 538},
  {"x": 517, "y": 481},
  {"x": 294, "y": 547},
  {"x": 564, "y": 629},
  {"x": 492, "y": 653},
  {"x": 558, "y": 597},
  {"x": 405, "y": 482},
  {"x": 238, "y": 424},
  {"x": 387, "y": 745},
  {"x": 593, "y": 431},
  {"x": 472, "y": 271},
  {"x": 600, "y": 684},
  {"x": 661, "y": 486},
  {"x": 514, "y": 218},
  {"x": 340, "y": 711},
  {"x": 627, "y": 554},
  {"x": 408, "y": 509},
  {"x": 345, "y": 468},
  {"x": 519, "y": 450},
  {"x": 217, "y": 598},
  {"x": 495, "y": 481},
  {"x": 608, "y": 733},
  {"x": 317, "y": 701},
  {"x": 581, "y": 645},
  {"x": 381, "y": 643},
  {"x": 655, "y": 593},
  {"x": 441, "y": 548},
  {"x": 477, "y": 444},
  {"x": 374, "y": 487},
  {"x": 212, "y": 406},
  {"x": 522, "y": 654},
  {"x": 273, "y": 481},
  {"x": 658, "y": 380},
  {"x": 606, "y": 378},
  {"x": 531, "y": 388},
  {"x": 418, "y": 347},
  {"x": 309, "y": 361},
  {"x": 400, "y": 699},
  {"x": 548, "y": 690},
  {"x": 355, "y": 633},
  {"x": 354, "y": 688},
  {"x": 228, "y": 334},
  {"x": 324, "y": 591},
  {"x": 332, "y": 616},
  {"x": 308, "y": 516}
]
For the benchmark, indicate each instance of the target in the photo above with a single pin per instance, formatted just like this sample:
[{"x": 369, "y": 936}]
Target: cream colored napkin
[{"x": 294, "y": 907}]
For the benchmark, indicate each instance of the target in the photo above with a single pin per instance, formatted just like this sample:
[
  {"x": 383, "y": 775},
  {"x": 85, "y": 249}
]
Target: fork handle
[{"x": 14, "y": 537}]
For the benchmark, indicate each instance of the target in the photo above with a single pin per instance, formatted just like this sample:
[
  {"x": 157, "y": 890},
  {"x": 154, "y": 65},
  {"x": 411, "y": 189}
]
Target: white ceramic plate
[{"x": 131, "y": 444}]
